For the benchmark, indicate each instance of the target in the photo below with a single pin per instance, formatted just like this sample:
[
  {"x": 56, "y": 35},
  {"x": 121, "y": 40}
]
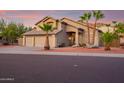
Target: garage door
[
  {"x": 29, "y": 41},
  {"x": 39, "y": 41}
]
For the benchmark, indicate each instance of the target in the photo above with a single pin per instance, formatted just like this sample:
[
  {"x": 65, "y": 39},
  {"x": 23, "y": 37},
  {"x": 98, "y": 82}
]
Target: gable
[
  {"x": 47, "y": 20},
  {"x": 74, "y": 23}
]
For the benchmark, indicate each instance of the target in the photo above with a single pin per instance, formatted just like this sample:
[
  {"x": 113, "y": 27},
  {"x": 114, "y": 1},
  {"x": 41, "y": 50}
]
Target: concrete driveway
[{"x": 19, "y": 49}]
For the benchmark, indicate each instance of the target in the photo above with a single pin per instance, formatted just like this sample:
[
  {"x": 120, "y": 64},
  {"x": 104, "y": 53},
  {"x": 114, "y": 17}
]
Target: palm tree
[
  {"x": 47, "y": 28},
  {"x": 97, "y": 14},
  {"x": 86, "y": 17}
]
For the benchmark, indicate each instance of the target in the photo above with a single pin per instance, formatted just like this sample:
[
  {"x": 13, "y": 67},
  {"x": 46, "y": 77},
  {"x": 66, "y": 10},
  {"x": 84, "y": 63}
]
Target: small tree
[
  {"x": 22, "y": 29},
  {"x": 5, "y": 37},
  {"x": 47, "y": 28},
  {"x": 108, "y": 38},
  {"x": 11, "y": 32}
]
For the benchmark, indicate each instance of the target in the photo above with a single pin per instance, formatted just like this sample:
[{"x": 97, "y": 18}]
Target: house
[{"x": 66, "y": 32}]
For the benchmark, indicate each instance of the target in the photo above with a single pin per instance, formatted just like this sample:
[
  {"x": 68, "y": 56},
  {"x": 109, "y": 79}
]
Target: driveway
[{"x": 19, "y": 49}]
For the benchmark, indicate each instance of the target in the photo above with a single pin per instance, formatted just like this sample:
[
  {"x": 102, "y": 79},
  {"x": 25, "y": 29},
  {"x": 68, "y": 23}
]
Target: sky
[{"x": 30, "y": 17}]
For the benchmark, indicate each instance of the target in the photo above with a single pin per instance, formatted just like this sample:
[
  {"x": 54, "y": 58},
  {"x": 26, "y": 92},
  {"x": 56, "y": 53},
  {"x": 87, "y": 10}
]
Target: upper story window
[{"x": 50, "y": 23}]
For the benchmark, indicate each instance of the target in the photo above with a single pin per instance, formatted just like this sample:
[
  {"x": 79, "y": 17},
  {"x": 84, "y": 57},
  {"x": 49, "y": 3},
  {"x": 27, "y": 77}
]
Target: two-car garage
[
  {"x": 34, "y": 41},
  {"x": 38, "y": 41}
]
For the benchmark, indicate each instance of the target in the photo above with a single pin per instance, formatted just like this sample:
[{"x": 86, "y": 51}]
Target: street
[{"x": 21, "y": 68}]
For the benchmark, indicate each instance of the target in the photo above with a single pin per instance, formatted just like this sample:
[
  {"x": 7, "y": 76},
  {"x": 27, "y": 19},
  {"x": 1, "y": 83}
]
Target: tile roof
[{"x": 40, "y": 32}]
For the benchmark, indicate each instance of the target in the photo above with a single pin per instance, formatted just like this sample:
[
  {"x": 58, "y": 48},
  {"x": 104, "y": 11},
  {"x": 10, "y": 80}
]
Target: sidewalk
[{"x": 64, "y": 51}]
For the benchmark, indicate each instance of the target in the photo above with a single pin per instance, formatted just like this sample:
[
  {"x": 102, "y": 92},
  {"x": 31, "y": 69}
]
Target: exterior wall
[
  {"x": 101, "y": 43},
  {"x": 82, "y": 38},
  {"x": 96, "y": 43},
  {"x": 121, "y": 40},
  {"x": 38, "y": 41},
  {"x": 62, "y": 38},
  {"x": 116, "y": 43},
  {"x": 23, "y": 40},
  {"x": 105, "y": 28},
  {"x": 20, "y": 41},
  {"x": 74, "y": 24},
  {"x": 52, "y": 41},
  {"x": 70, "y": 29},
  {"x": 54, "y": 23}
]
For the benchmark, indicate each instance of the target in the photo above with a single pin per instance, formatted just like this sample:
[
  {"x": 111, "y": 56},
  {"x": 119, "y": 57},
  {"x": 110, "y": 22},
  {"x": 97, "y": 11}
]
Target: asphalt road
[{"x": 60, "y": 69}]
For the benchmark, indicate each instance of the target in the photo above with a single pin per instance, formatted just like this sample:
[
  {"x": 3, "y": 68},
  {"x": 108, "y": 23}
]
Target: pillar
[
  {"x": 34, "y": 41},
  {"x": 77, "y": 38},
  {"x": 24, "y": 40}
]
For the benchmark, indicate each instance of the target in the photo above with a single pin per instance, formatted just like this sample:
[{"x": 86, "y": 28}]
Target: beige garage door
[
  {"x": 29, "y": 41},
  {"x": 39, "y": 41}
]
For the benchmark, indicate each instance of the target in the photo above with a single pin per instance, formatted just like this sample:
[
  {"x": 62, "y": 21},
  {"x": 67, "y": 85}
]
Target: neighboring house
[{"x": 66, "y": 32}]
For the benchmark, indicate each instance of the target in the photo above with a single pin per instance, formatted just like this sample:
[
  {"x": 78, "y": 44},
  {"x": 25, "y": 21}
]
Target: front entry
[{"x": 71, "y": 38}]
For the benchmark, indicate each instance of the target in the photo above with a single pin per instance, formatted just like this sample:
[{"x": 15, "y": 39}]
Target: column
[
  {"x": 34, "y": 41},
  {"x": 77, "y": 38},
  {"x": 24, "y": 40}
]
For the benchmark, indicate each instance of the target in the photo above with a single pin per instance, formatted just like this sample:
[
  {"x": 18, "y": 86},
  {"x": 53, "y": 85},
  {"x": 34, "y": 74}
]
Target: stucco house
[{"x": 66, "y": 32}]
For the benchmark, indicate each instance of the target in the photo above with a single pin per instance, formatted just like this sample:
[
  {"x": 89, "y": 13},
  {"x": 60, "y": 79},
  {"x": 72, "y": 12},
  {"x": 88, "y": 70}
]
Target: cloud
[
  {"x": 23, "y": 16},
  {"x": 14, "y": 14}
]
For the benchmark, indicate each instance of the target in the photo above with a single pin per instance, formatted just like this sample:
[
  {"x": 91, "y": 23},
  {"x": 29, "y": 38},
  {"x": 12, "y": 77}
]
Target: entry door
[{"x": 71, "y": 37}]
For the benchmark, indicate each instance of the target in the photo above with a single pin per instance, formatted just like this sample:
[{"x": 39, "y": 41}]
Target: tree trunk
[
  {"x": 94, "y": 32},
  {"x": 88, "y": 33},
  {"x": 47, "y": 47},
  {"x": 107, "y": 47}
]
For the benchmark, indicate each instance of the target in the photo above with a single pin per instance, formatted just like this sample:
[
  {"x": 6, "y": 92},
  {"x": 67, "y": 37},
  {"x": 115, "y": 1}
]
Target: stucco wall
[
  {"x": 20, "y": 41},
  {"x": 38, "y": 41},
  {"x": 122, "y": 40},
  {"x": 52, "y": 41},
  {"x": 62, "y": 38},
  {"x": 82, "y": 38},
  {"x": 54, "y": 23},
  {"x": 70, "y": 28}
]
